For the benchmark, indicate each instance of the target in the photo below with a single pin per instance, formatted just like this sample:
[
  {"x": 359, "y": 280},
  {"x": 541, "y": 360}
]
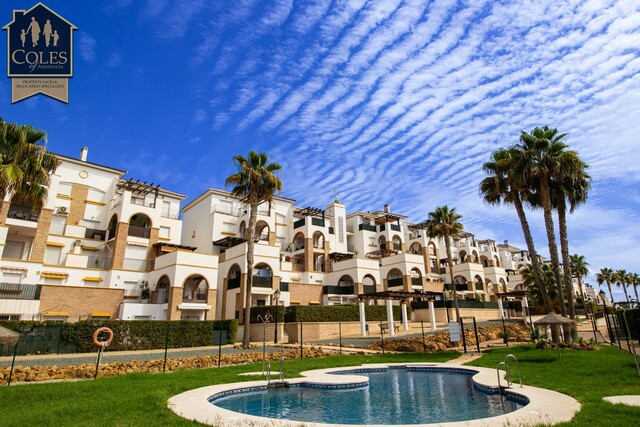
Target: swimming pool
[
  {"x": 392, "y": 396},
  {"x": 544, "y": 407}
]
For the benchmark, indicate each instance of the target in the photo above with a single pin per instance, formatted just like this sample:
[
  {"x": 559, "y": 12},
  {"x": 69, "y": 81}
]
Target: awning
[
  {"x": 256, "y": 290},
  {"x": 314, "y": 302},
  {"x": 45, "y": 275},
  {"x": 92, "y": 279},
  {"x": 294, "y": 301},
  {"x": 8, "y": 267},
  {"x": 295, "y": 279},
  {"x": 100, "y": 314},
  {"x": 88, "y": 248},
  {"x": 58, "y": 244},
  {"x": 57, "y": 313},
  {"x": 136, "y": 244}
]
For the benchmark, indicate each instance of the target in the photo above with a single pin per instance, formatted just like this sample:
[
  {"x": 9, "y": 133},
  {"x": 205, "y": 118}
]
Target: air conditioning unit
[{"x": 62, "y": 210}]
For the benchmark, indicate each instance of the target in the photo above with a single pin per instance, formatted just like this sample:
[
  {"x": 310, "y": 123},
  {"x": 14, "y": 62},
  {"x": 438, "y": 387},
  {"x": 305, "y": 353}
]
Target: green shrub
[{"x": 130, "y": 335}]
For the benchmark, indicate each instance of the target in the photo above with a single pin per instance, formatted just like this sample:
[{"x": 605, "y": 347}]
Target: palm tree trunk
[
  {"x": 581, "y": 290},
  {"x": 447, "y": 245},
  {"x": 610, "y": 293},
  {"x": 253, "y": 217},
  {"x": 551, "y": 237},
  {"x": 624, "y": 288},
  {"x": 537, "y": 271},
  {"x": 566, "y": 263},
  {"x": 635, "y": 290}
]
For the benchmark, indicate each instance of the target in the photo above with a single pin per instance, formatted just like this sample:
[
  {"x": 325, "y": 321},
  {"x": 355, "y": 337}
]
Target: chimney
[
  {"x": 506, "y": 243},
  {"x": 386, "y": 208},
  {"x": 83, "y": 153}
]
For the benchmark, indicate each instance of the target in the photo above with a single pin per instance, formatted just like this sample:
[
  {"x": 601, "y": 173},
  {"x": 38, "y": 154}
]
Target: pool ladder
[
  {"x": 507, "y": 370},
  {"x": 280, "y": 382}
]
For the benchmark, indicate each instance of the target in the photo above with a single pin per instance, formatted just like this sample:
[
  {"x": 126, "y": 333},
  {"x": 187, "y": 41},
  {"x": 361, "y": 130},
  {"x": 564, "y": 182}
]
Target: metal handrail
[
  {"x": 509, "y": 369},
  {"x": 632, "y": 347},
  {"x": 500, "y": 385}
]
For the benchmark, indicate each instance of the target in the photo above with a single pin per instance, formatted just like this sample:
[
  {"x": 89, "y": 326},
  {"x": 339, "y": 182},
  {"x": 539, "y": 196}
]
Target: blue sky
[{"x": 391, "y": 101}]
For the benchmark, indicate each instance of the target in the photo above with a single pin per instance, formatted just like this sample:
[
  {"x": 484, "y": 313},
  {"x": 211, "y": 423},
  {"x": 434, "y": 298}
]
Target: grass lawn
[
  {"x": 587, "y": 376},
  {"x": 141, "y": 399}
]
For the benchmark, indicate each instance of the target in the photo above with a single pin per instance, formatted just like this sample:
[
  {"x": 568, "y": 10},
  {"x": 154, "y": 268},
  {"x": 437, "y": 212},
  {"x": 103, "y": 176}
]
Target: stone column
[
  {"x": 79, "y": 195},
  {"x": 392, "y": 332},
  {"x": 42, "y": 233},
  {"x": 405, "y": 317},
  {"x": 308, "y": 254},
  {"x": 427, "y": 259},
  {"x": 358, "y": 288},
  {"x": 432, "y": 315},
  {"x": 327, "y": 251},
  {"x": 272, "y": 238},
  {"x": 525, "y": 310},
  {"x": 406, "y": 283},
  {"x": 500, "y": 308},
  {"x": 175, "y": 298},
  {"x": 120, "y": 244},
  {"x": 363, "y": 320},
  {"x": 223, "y": 314},
  {"x": 154, "y": 234}
]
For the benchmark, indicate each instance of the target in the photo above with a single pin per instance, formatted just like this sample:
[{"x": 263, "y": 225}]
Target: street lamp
[{"x": 276, "y": 294}]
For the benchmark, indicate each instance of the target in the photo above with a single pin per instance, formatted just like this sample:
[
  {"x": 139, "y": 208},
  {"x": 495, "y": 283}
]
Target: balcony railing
[
  {"x": 459, "y": 287},
  {"x": 369, "y": 289},
  {"x": 299, "y": 223},
  {"x": 19, "y": 291},
  {"x": 317, "y": 221},
  {"x": 102, "y": 263},
  {"x": 136, "y": 231},
  {"x": 297, "y": 267},
  {"x": 134, "y": 264},
  {"x": 13, "y": 251},
  {"x": 141, "y": 202},
  {"x": 233, "y": 283},
  {"x": 194, "y": 298},
  {"x": 395, "y": 227},
  {"x": 54, "y": 258},
  {"x": 262, "y": 282},
  {"x": 225, "y": 209},
  {"x": 416, "y": 281},
  {"x": 394, "y": 282},
  {"x": 94, "y": 233},
  {"x": 367, "y": 227},
  {"x": 397, "y": 246},
  {"x": 25, "y": 213},
  {"x": 338, "y": 290},
  {"x": 111, "y": 233},
  {"x": 382, "y": 227}
]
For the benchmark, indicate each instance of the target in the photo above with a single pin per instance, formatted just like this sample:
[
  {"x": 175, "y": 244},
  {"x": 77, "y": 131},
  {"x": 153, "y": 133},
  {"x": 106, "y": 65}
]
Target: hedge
[
  {"x": 130, "y": 335},
  {"x": 326, "y": 313}
]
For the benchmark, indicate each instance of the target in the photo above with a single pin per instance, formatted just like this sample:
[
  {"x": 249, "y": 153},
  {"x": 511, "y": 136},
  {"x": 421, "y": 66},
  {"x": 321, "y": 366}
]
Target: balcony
[
  {"x": 170, "y": 213},
  {"x": 197, "y": 298},
  {"x": 24, "y": 213},
  {"x": 459, "y": 287},
  {"x": 338, "y": 290},
  {"x": 14, "y": 250},
  {"x": 226, "y": 209},
  {"x": 416, "y": 281},
  {"x": 369, "y": 289},
  {"x": 367, "y": 227},
  {"x": 102, "y": 263},
  {"x": 93, "y": 233},
  {"x": 57, "y": 229},
  {"x": 395, "y": 227},
  {"x": 317, "y": 221},
  {"x": 233, "y": 283},
  {"x": 141, "y": 202},
  {"x": 262, "y": 282},
  {"x": 382, "y": 227},
  {"x": 19, "y": 291},
  {"x": 54, "y": 257},
  {"x": 394, "y": 282},
  {"x": 397, "y": 246},
  {"x": 136, "y": 231}
]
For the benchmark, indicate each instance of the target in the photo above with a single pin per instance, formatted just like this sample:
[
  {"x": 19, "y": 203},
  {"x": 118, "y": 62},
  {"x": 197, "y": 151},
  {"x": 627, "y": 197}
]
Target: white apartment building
[{"x": 94, "y": 244}]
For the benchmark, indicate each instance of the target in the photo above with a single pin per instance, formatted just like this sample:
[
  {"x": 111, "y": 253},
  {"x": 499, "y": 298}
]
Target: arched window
[
  {"x": 111, "y": 230},
  {"x": 262, "y": 231},
  {"x": 139, "y": 225},
  {"x": 162, "y": 290},
  {"x": 195, "y": 289},
  {"x": 318, "y": 240},
  {"x": 394, "y": 278}
]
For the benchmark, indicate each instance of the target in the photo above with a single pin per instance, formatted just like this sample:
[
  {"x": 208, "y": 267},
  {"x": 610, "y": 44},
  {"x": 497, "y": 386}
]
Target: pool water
[{"x": 393, "y": 396}]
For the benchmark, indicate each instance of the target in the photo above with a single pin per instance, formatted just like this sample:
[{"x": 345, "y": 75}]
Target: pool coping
[{"x": 545, "y": 406}]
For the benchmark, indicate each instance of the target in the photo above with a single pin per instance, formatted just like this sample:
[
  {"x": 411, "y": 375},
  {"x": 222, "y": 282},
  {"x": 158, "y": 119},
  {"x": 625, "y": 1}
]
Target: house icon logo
[{"x": 39, "y": 53}]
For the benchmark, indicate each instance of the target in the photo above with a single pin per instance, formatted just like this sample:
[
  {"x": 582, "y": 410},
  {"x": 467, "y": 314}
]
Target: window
[
  {"x": 165, "y": 232},
  {"x": 12, "y": 277},
  {"x": 52, "y": 255},
  {"x": 14, "y": 249},
  {"x": 166, "y": 209},
  {"x": 341, "y": 229}
]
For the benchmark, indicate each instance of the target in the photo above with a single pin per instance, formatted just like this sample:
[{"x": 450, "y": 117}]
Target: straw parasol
[
  {"x": 554, "y": 320},
  {"x": 8, "y": 337}
]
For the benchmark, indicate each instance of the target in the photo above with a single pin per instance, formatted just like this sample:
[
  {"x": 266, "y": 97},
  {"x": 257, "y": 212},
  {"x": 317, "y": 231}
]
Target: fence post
[
  {"x": 13, "y": 362},
  {"x": 424, "y": 344},
  {"x": 300, "y": 340},
  {"x": 340, "y": 333},
  {"x": 504, "y": 333},
  {"x": 475, "y": 328},
  {"x": 60, "y": 338},
  {"x": 219, "y": 343},
  {"x": 382, "y": 338},
  {"x": 166, "y": 347},
  {"x": 95, "y": 375},
  {"x": 464, "y": 339}
]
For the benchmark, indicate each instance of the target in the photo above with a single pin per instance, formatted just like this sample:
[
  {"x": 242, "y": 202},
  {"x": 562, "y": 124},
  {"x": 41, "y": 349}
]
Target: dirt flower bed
[
  {"x": 440, "y": 341},
  {"x": 49, "y": 373}
]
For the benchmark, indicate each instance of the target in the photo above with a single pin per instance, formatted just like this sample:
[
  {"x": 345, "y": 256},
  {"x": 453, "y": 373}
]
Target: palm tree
[
  {"x": 254, "y": 183},
  {"x": 635, "y": 282},
  {"x": 25, "y": 163},
  {"x": 500, "y": 187},
  {"x": 528, "y": 279},
  {"x": 540, "y": 154},
  {"x": 620, "y": 277},
  {"x": 571, "y": 183},
  {"x": 606, "y": 275},
  {"x": 579, "y": 269},
  {"x": 444, "y": 222}
]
